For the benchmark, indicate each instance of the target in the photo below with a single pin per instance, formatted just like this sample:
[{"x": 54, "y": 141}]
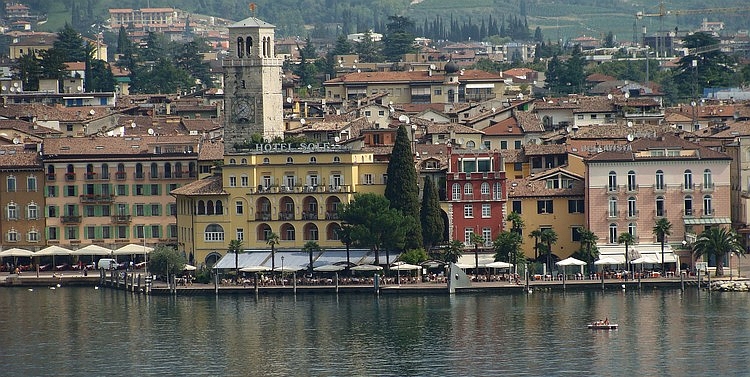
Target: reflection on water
[{"x": 76, "y": 331}]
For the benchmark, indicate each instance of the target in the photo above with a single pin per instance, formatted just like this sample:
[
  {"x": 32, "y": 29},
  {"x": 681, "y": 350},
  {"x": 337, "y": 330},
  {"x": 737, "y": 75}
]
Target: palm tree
[
  {"x": 717, "y": 242},
  {"x": 235, "y": 246},
  {"x": 311, "y": 247},
  {"x": 588, "y": 243},
  {"x": 661, "y": 230},
  {"x": 273, "y": 240},
  {"x": 549, "y": 237},
  {"x": 453, "y": 252},
  {"x": 536, "y": 235},
  {"x": 516, "y": 221},
  {"x": 345, "y": 236},
  {"x": 627, "y": 239},
  {"x": 476, "y": 240}
]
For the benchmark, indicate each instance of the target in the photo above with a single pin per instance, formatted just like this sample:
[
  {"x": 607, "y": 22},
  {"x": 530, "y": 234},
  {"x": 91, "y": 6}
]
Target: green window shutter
[
  {"x": 98, "y": 211},
  {"x": 75, "y": 190}
]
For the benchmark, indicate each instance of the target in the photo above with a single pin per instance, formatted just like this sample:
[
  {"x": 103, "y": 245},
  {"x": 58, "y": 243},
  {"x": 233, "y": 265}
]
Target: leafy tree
[
  {"x": 476, "y": 240},
  {"x": 190, "y": 60},
  {"x": 342, "y": 46},
  {"x": 661, "y": 230},
  {"x": 345, "y": 236},
  {"x": 453, "y": 252},
  {"x": 627, "y": 239},
  {"x": 414, "y": 256},
  {"x": 273, "y": 240},
  {"x": 52, "y": 64},
  {"x": 431, "y": 218},
  {"x": 588, "y": 244},
  {"x": 235, "y": 247},
  {"x": 163, "y": 77},
  {"x": 712, "y": 67},
  {"x": 374, "y": 223},
  {"x": 102, "y": 79},
  {"x": 166, "y": 261},
  {"x": 609, "y": 40},
  {"x": 507, "y": 246},
  {"x": 401, "y": 190},
  {"x": 549, "y": 238},
  {"x": 717, "y": 243},
  {"x": 71, "y": 45},
  {"x": 536, "y": 234},
  {"x": 368, "y": 50},
  {"x": 538, "y": 37},
  {"x": 28, "y": 69},
  {"x": 399, "y": 39},
  {"x": 517, "y": 223},
  {"x": 311, "y": 247}
]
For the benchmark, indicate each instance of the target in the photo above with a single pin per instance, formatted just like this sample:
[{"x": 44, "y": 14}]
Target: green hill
[{"x": 557, "y": 18}]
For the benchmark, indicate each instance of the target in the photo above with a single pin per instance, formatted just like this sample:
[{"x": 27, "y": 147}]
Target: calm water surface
[{"x": 82, "y": 331}]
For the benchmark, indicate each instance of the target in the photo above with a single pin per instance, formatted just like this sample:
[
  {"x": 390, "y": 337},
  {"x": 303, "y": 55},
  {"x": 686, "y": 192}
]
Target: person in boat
[{"x": 606, "y": 321}]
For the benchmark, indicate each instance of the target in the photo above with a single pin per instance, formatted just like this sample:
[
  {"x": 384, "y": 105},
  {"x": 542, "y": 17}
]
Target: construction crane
[{"x": 663, "y": 12}]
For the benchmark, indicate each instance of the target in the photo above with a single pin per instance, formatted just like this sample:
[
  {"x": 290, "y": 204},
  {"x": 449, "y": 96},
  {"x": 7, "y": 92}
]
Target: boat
[{"x": 602, "y": 326}]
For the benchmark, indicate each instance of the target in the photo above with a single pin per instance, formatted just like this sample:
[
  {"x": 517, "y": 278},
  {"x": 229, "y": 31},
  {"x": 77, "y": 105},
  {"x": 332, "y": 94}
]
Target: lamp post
[
  {"x": 145, "y": 258},
  {"x": 282, "y": 270}
]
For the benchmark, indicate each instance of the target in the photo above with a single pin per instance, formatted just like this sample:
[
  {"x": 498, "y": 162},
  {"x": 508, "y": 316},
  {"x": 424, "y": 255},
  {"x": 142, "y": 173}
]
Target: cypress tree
[
  {"x": 430, "y": 216},
  {"x": 402, "y": 190}
]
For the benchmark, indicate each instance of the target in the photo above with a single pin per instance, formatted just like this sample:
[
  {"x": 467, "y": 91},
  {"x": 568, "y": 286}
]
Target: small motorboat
[{"x": 601, "y": 325}]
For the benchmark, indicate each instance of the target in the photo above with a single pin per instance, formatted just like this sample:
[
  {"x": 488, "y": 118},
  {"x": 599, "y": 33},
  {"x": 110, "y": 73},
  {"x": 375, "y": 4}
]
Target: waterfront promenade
[{"x": 71, "y": 278}]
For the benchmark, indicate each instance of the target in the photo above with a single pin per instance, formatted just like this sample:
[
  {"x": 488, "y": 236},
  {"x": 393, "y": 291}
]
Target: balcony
[
  {"x": 313, "y": 215},
  {"x": 631, "y": 189},
  {"x": 659, "y": 213},
  {"x": 260, "y": 189},
  {"x": 50, "y": 176},
  {"x": 70, "y": 219},
  {"x": 70, "y": 176},
  {"x": 90, "y": 176},
  {"x": 139, "y": 176},
  {"x": 121, "y": 219},
  {"x": 708, "y": 187},
  {"x": 632, "y": 215},
  {"x": 97, "y": 198},
  {"x": 263, "y": 216},
  {"x": 708, "y": 212},
  {"x": 121, "y": 175},
  {"x": 688, "y": 188},
  {"x": 613, "y": 214},
  {"x": 286, "y": 216},
  {"x": 659, "y": 189},
  {"x": 687, "y": 212},
  {"x": 330, "y": 215},
  {"x": 612, "y": 189}
]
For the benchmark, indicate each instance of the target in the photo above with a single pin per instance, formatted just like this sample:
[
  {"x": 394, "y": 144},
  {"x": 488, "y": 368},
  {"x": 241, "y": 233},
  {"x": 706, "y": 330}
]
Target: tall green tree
[
  {"x": 431, "y": 217},
  {"x": 344, "y": 233},
  {"x": 627, "y": 239},
  {"x": 102, "y": 79},
  {"x": 71, "y": 45},
  {"x": 234, "y": 247},
  {"x": 507, "y": 246},
  {"x": 399, "y": 38},
  {"x": 717, "y": 243},
  {"x": 661, "y": 230},
  {"x": 190, "y": 60},
  {"x": 588, "y": 245},
  {"x": 453, "y": 252},
  {"x": 516, "y": 222},
  {"x": 549, "y": 238},
  {"x": 311, "y": 247},
  {"x": 401, "y": 190},
  {"x": 706, "y": 65},
  {"x": 166, "y": 261},
  {"x": 536, "y": 234},
  {"x": 374, "y": 223},
  {"x": 28, "y": 69},
  {"x": 52, "y": 64},
  {"x": 368, "y": 50},
  {"x": 273, "y": 240}
]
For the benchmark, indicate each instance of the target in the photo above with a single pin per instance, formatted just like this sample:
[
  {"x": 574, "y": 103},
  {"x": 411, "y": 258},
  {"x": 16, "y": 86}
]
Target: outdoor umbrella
[
  {"x": 329, "y": 268},
  {"x": 366, "y": 267},
  {"x": 51, "y": 251},
  {"x": 15, "y": 253},
  {"x": 570, "y": 262},
  {"x": 498, "y": 265},
  {"x": 255, "y": 269},
  {"x": 189, "y": 267}
]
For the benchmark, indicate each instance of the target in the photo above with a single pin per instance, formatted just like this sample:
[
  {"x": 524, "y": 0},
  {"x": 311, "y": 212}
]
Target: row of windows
[
  {"x": 290, "y": 180},
  {"x": 289, "y": 160},
  {"x": 469, "y": 211},
  {"x": 110, "y": 232},
  {"x": 687, "y": 182},
  {"x": 99, "y": 191},
  {"x": 484, "y": 190},
  {"x": 688, "y": 208},
  {"x": 215, "y": 232},
  {"x": 11, "y": 183},
  {"x": 12, "y": 211},
  {"x": 168, "y": 169},
  {"x": 120, "y": 209},
  {"x": 14, "y": 236},
  {"x": 546, "y": 206}
]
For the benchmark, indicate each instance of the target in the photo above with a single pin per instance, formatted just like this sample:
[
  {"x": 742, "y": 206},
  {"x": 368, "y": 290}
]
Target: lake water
[{"x": 82, "y": 331}]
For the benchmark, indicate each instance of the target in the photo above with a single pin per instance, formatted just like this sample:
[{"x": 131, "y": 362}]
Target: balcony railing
[
  {"x": 708, "y": 212},
  {"x": 50, "y": 176},
  {"x": 313, "y": 215},
  {"x": 688, "y": 188},
  {"x": 707, "y": 187},
  {"x": 70, "y": 219},
  {"x": 613, "y": 214},
  {"x": 286, "y": 216},
  {"x": 139, "y": 176},
  {"x": 300, "y": 189},
  {"x": 121, "y": 219},
  {"x": 97, "y": 198},
  {"x": 90, "y": 176},
  {"x": 660, "y": 213},
  {"x": 633, "y": 214},
  {"x": 660, "y": 189},
  {"x": 70, "y": 176},
  {"x": 263, "y": 216},
  {"x": 688, "y": 212},
  {"x": 121, "y": 175}
]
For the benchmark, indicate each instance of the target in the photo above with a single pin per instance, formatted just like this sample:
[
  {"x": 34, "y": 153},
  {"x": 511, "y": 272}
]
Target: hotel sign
[{"x": 297, "y": 147}]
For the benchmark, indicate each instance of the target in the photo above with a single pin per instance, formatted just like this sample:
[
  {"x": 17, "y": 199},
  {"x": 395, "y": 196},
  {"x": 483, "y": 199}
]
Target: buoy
[
  {"x": 96, "y": 287},
  {"x": 622, "y": 286},
  {"x": 51, "y": 287},
  {"x": 31, "y": 289},
  {"x": 58, "y": 285}
]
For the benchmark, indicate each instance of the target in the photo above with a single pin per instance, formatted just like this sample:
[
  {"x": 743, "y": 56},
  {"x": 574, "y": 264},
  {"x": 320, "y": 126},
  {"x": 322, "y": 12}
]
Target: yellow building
[
  {"x": 292, "y": 190},
  {"x": 553, "y": 200}
]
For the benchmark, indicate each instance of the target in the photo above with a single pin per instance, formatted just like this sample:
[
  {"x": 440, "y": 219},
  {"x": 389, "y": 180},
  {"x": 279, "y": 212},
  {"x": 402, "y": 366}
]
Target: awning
[
  {"x": 467, "y": 260},
  {"x": 617, "y": 252},
  {"x": 480, "y": 86},
  {"x": 708, "y": 221}
]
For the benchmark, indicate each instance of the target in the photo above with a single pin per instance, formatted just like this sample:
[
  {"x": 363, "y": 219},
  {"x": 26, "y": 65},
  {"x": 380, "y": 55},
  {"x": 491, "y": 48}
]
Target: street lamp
[{"x": 282, "y": 270}]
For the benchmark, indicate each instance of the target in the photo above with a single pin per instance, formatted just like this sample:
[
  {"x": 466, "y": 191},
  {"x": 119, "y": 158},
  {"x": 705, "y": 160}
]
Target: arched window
[
  {"x": 612, "y": 182},
  {"x": 219, "y": 208},
  {"x": 154, "y": 170},
  {"x": 631, "y": 181},
  {"x": 12, "y": 184},
  {"x": 167, "y": 170},
  {"x": 659, "y": 184},
  {"x": 468, "y": 189},
  {"x": 688, "y": 205},
  {"x": 612, "y": 207},
  {"x": 336, "y": 159},
  {"x": 631, "y": 229},
  {"x": 240, "y": 45},
  {"x": 470, "y": 144},
  {"x": 201, "y": 208},
  {"x": 232, "y": 161},
  {"x": 632, "y": 211},
  {"x": 266, "y": 161},
  {"x": 105, "y": 171},
  {"x": 456, "y": 190},
  {"x": 688, "y": 180},
  {"x": 288, "y": 233},
  {"x": 612, "y": 233},
  {"x": 210, "y": 207},
  {"x": 289, "y": 160},
  {"x": 213, "y": 232},
  {"x": 249, "y": 46},
  {"x": 485, "y": 189},
  {"x": 243, "y": 161},
  {"x": 708, "y": 182},
  {"x": 90, "y": 174},
  {"x": 660, "y": 210},
  {"x": 311, "y": 232},
  {"x": 313, "y": 160},
  {"x": 708, "y": 208},
  {"x": 139, "y": 171},
  {"x": 497, "y": 192}
]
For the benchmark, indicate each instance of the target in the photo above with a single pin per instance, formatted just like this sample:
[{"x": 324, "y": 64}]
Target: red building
[{"x": 476, "y": 190}]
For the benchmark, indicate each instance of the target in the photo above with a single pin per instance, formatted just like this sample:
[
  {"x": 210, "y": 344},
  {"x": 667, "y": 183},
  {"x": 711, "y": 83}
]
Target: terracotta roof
[
  {"x": 15, "y": 156},
  {"x": 211, "y": 150},
  {"x": 413, "y": 108},
  {"x": 438, "y": 152},
  {"x": 620, "y": 131},
  {"x": 504, "y": 127},
  {"x": 406, "y": 76},
  {"x": 75, "y": 66},
  {"x": 631, "y": 151},
  {"x": 530, "y": 188},
  {"x": 106, "y": 146},
  {"x": 200, "y": 125},
  {"x": 544, "y": 149},
  {"x": 599, "y": 77},
  {"x": 528, "y": 121},
  {"x": 513, "y": 155},
  {"x": 729, "y": 130},
  {"x": 446, "y": 128}
]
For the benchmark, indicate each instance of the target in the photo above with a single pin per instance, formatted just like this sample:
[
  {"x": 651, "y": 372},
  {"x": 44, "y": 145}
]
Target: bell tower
[{"x": 252, "y": 84}]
